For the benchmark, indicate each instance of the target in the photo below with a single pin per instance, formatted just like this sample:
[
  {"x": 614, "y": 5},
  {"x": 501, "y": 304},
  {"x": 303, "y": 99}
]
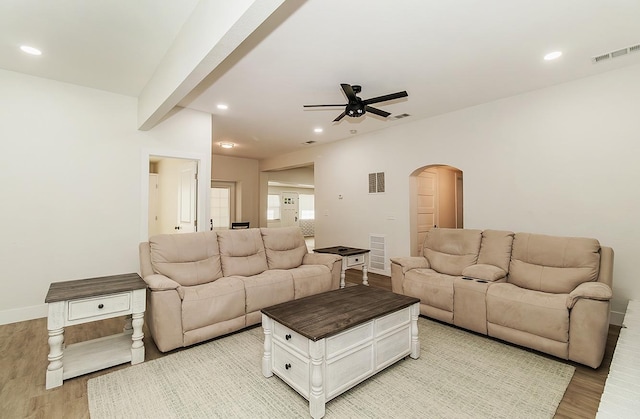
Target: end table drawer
[
  {"x": 355, "y": 260},
  {"x": 91, "y": 307}
]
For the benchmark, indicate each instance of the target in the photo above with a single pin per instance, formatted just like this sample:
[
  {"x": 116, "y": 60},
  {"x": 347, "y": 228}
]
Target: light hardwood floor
[{"x": 23, "y": 362}]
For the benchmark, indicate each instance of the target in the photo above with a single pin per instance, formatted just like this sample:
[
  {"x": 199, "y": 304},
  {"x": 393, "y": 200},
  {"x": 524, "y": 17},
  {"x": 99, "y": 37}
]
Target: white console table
[{"x": 88, "y": 300}]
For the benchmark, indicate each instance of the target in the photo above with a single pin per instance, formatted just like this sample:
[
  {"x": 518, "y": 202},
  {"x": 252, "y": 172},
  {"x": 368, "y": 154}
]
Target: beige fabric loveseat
[
  {"x": 547, "y": 293},
  {"x": 207, "y": 284}
]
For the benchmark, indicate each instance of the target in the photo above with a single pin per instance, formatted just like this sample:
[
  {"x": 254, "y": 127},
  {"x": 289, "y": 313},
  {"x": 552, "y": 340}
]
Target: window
[
  {"x": 273, "y": 207},
  {"x": 220, "y": 208},
  {"x": 306, "y": 207}
]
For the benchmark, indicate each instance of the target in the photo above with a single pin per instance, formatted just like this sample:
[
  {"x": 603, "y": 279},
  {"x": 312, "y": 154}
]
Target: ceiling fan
[{"x": 358, "y": 107}]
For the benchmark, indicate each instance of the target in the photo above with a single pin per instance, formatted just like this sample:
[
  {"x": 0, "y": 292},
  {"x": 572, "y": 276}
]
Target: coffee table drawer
[
  {"x": 291, "y": 368},
  {"x": 291, "y": 339}
]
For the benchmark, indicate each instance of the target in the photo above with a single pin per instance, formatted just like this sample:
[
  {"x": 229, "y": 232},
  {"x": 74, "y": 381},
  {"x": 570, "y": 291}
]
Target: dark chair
[{"x": 240, "y": 225}]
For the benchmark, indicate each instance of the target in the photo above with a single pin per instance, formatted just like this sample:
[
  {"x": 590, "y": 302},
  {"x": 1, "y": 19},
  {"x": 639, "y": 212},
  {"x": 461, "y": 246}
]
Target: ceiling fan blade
[
  {"x": 349, "y": 92},
  {"x": 377, "y": 111},
  {"x": 318, "y": 106},
  {"x": 342, "y": 115},
  {"x": 385, "y": 98}
]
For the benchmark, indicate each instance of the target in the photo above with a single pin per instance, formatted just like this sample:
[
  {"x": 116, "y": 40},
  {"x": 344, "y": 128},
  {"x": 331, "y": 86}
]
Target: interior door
[
  {"x": 187, "y": 197},
  {"x": 289, "y": 209},
  {"x": 427, "y": 205}
]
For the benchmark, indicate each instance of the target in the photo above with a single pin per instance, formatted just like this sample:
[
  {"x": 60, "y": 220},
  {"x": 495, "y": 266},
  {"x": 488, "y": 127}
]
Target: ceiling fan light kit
[{"x": 357, "y": 107}]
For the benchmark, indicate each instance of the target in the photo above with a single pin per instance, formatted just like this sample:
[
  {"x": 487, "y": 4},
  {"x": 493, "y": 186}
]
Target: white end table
[
  {"x": 351, "y": 257},
  {"x": 88, "y": 300}
]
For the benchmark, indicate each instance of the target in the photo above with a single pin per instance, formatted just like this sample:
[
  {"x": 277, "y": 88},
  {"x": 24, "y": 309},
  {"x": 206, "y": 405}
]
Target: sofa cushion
[
  {"x": 285, "y": 247},
  {"x": 267, "y": 289},
  {"x": 553, "y": 264},
  {"x": 188, "y": 259},
  {"x": 539, "y": 313},
  {"x": 215, "y": 302},
  {"x": 432, "y": 288},
  {"x": 495, "y": 248},
  {"x": 242, "y": 252},
  {"x": 450, "y": 250}
]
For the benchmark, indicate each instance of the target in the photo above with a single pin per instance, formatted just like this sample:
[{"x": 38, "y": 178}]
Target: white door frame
[{"x": 203, "y": 186}]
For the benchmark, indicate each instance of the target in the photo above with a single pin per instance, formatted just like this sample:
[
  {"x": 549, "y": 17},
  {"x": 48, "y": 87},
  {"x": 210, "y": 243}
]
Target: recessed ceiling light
[
  {"x": 222, "y": 106},
  {"x": 318, "y": 130},
  {"x": 227, "y": 145},
  {"x": 30, "y": 50},
  {"x": 552, "y": 55}
]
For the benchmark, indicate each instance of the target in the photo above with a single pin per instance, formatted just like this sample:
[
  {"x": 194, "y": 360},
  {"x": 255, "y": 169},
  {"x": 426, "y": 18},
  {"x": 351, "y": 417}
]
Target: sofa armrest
[
  {"x": 591, "y": 291},
  {"x": 411, "y": 262},
  {"x": 157, "y": 282},
  {"x": 484, "y": 272},
  {"x": 325, "y": 259}
]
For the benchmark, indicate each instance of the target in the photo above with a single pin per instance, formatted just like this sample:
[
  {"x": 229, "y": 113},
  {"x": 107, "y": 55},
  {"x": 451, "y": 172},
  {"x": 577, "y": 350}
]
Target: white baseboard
[
  {"x": 23, "y": 314},
  {"x": 616, "y": 318}
]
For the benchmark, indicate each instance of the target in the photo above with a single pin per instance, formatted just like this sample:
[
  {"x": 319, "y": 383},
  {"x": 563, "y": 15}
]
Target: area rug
[{"x": 458, "y": 375}]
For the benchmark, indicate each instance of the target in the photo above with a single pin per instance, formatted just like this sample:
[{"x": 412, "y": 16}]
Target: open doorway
[
  {"x": 173, "y": 195},
  {"x": 436, "y": 200},
  {"x": 291, "y": 200}
]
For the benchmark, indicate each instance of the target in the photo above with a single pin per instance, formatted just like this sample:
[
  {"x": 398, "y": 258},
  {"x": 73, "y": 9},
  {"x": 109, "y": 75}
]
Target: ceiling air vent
[
  {"x": 402, "y": 115},
  {"x": 615, "y": 54}
]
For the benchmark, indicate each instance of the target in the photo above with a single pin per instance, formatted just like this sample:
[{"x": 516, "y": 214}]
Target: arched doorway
[{"x": 435, "y": 201}]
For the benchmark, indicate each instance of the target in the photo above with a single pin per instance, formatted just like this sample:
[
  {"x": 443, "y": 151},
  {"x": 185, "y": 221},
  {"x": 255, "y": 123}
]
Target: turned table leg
[
  {"x": 415, "y": 341},
  {"x": 267, "y": 324},
  {"x": 55, "y": 323}
]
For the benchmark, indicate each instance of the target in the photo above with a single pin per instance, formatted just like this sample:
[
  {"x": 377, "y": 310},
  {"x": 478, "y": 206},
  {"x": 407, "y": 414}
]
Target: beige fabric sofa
[
  {"x": 547, "y": 293},
  {"x": 207, "y": 284}
]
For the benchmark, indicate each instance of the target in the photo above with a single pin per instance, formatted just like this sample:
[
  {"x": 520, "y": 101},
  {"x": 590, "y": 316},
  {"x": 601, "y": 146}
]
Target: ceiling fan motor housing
[{"x": 355, "y": 108}]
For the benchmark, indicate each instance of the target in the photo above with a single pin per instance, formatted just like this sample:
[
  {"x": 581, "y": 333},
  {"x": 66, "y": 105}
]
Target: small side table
[
  {"x": 351, "y": 257},
  {"x": 88, "y": 300}
]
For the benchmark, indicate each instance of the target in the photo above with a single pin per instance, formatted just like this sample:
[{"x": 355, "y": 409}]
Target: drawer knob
[
  {"x": 287, "y": 336},
  {"x": 287, "y": 366},
  {"x": 100, "y": 305}
]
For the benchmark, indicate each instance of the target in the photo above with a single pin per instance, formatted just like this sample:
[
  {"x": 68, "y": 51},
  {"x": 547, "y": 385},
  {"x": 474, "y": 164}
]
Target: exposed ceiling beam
[{"x": 214, "y": 30}]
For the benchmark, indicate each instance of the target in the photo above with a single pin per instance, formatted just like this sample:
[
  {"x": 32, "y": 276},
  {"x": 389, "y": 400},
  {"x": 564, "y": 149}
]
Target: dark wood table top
[
  {"x": 342, "y": 250},
  {"x": 91, "y": 287},
  {"x": 319, "y": 316}
]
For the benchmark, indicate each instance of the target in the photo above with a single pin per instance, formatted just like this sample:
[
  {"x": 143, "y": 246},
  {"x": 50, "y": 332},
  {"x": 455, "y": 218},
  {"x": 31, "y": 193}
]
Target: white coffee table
[{"x": 325, "y": 344}]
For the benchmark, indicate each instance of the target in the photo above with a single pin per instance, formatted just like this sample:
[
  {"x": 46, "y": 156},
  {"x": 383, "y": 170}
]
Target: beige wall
[
  {"x": 244, "y": 173},
  {"x": 74, "y": 184},
  {"x": 561, "y": 160}
]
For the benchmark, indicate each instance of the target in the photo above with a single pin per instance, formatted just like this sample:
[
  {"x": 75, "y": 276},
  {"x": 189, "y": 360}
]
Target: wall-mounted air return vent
[
  {"x": 615, "y": 54},
  {"x": 376, "y": 182},
  {"x": 378, "y": 254}
]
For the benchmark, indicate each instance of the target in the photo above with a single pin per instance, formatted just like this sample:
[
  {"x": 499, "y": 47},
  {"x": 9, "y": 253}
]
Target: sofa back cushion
[
  {"x": 553, "y": 264},
  {"x": 450, "y": 250},
  {"x": 189, "y": 259},
  {"x": 285, "y": 247},
  {"x": 495, "y": 248},
  {"x": 242, "y": 252}
]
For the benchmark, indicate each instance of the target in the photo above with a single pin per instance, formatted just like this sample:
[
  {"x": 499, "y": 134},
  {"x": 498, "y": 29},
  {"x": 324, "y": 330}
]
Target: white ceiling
[{"x": 447, "y": 55}]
